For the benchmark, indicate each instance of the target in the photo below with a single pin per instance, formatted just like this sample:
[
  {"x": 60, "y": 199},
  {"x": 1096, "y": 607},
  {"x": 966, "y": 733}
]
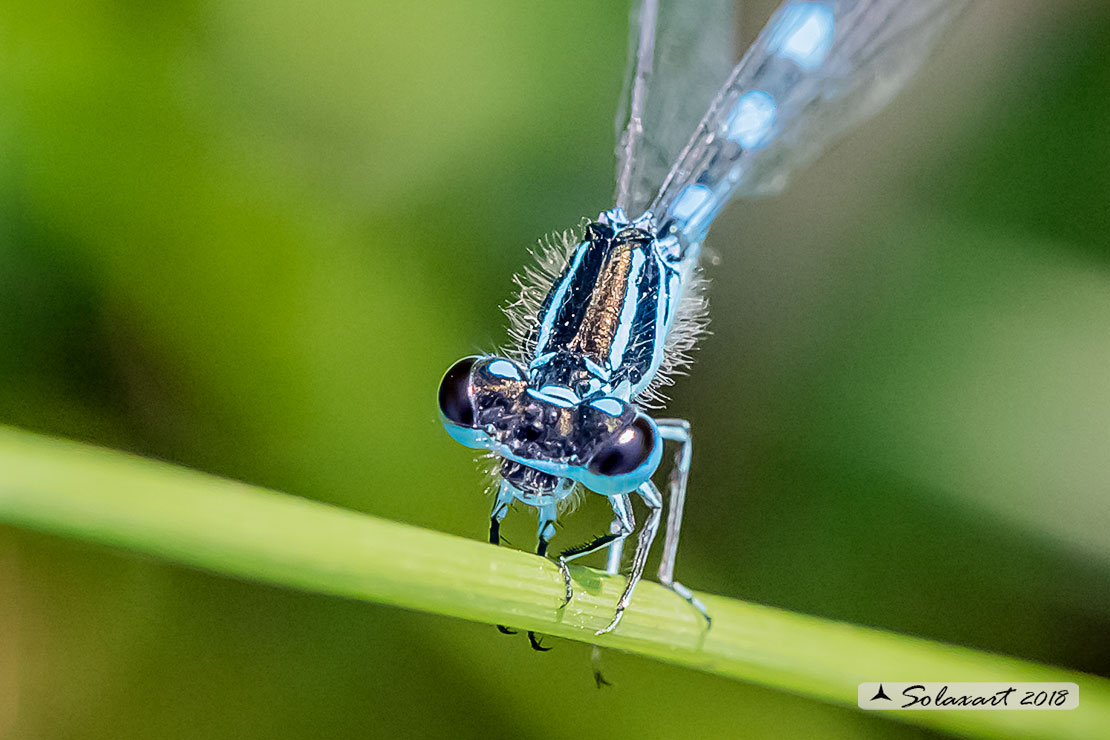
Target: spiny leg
[
  {"x": 500, "y": 509},
  {"x": 613, "y": 562},
  {"x": 613, "y": 568},
  {"x": 622, "y": 525},
  {"x": 677, "y": 430},
  {"x": 546, "y": 530},
  {"x": 650, "y": 494}
]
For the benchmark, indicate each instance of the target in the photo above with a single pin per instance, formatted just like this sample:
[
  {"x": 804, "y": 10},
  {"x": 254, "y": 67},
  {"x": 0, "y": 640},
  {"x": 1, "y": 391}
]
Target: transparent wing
[
  {"x": 679, "y": 52},
  {"x": 816, "y": 70}
]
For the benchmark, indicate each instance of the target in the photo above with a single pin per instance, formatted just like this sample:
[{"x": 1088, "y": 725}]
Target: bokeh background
[{"x": 248, "y": 238}]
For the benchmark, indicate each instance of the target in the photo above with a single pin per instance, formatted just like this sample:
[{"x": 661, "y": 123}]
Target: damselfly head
[{"x": 547, "y": 440}]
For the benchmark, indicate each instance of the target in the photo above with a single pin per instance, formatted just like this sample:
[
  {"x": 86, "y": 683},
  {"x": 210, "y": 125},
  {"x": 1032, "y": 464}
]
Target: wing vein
[{"x": 632, "y": 137}]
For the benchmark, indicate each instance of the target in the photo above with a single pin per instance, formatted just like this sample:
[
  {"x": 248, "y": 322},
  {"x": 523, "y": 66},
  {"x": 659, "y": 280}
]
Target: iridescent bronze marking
[{"x": 601, "y": 319}]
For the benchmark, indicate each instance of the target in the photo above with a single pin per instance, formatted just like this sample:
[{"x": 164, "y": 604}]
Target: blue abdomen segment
[
  {"x": 603, "y": 326},
  {"x": 746, "y": 119}
]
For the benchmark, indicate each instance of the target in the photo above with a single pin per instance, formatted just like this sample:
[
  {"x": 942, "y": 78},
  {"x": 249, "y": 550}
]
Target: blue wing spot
[
  {"x": 690, "y": 200},
  {"x": 751, "y": 120},
  {"x": 803, "y": 34}
]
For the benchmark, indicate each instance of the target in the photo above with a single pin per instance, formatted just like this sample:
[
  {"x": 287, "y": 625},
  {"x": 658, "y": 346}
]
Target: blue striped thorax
[
  {"x": 598, "y": 340},
  {"x": 602, "y": 327}
]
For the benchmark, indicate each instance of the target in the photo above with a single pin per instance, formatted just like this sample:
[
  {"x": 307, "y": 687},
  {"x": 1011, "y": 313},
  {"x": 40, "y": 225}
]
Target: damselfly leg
[
  {"x": 500, "y": 509},
  {"x": 612, "y": 568},
  {"x": 546, "y": 515},
  {"x": 546, "y": 530},
  {"x": 677, "y": 430},
  {"x": 650, "y": 494},
  {"x": 622, "y": 526}
]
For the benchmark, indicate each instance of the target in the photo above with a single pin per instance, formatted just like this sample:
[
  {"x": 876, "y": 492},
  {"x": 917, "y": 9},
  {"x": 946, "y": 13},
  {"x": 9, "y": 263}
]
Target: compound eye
[
  {"x": 628, "y": 450},
  {"x": 455, "y": 401}
]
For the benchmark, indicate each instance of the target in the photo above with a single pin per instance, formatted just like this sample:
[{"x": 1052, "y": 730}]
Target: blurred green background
[{"x": 248, "y": 238}]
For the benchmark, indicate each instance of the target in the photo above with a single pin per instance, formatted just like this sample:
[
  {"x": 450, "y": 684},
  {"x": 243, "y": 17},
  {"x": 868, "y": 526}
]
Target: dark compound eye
[
  {"x": 454, "y": 393},
  {"x": 626, "y": 451}
]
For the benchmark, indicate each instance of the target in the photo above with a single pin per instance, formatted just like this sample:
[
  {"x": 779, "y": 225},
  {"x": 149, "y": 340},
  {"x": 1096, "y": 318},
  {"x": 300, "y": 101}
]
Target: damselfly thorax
[
  {"x": 559, "y": 411},
  {"x": 603, "y": 327}
]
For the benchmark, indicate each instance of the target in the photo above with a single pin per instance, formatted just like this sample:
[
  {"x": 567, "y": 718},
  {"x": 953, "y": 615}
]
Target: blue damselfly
[{"x": 611, "y": 312}]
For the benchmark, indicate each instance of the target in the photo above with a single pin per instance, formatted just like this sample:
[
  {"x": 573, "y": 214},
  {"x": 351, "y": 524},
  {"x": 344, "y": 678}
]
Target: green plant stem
[{"x": 247, "y": 532}]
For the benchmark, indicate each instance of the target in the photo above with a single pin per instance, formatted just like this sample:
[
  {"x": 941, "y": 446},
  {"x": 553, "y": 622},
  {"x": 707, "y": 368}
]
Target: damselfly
[{"x": 610, "y": 313}]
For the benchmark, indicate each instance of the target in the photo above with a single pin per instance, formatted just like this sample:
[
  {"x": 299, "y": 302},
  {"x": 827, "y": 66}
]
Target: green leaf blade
[{"x": 248, "y": 532}]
